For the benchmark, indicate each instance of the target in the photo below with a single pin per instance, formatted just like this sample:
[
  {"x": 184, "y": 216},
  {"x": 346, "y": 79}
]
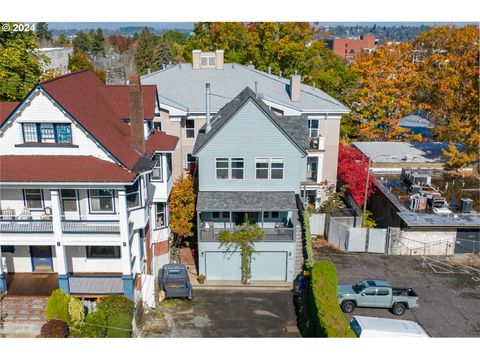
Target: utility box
[{"x": 466, "y": 205}]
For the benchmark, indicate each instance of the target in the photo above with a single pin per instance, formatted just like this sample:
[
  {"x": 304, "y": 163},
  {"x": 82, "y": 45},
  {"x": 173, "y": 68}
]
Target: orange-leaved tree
[{"x": 182, "y": 208}]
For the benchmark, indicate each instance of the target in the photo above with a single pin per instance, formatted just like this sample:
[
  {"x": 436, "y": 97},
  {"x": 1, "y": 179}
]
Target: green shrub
[
  {"x": 119, "y": 313},
  {"x": 76, "y": 312},
  {"x": 119, "y": 326},
  {"x": 326, "y": 314},
  {"x": 308, "y": 239},
  {"x": 57, "y": 306},
  {"x": 54, "y": 329},
  {"x": 95, "y": 325}
]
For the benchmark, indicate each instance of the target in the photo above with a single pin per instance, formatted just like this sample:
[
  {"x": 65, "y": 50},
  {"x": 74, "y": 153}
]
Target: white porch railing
[
  {"x": 26, "y": 226},
  {"x": 276, "y": 234},
  {"x": 91, "y": 226}
]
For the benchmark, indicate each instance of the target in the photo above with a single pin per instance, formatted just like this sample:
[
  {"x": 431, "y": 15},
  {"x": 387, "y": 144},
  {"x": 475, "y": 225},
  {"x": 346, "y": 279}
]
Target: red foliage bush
[
  {"x": 352, "y": 171},
  {"x": 54, "y": 329}
]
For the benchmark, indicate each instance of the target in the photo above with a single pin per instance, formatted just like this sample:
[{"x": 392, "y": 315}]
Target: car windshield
[
  {"x": 359, "y": 287},
  {"x": 174, "y": 271}
]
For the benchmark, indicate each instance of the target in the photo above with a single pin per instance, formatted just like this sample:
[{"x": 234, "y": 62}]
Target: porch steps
[
  {"x": 24, "y": 308},
  {"x": 299, "y": 251}
]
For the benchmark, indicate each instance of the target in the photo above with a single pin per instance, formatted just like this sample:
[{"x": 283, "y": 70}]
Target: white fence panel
[
  {"x": 357, "y": 239},
  {"x": 317, "y": 224},
  {"x": 377, "y": 241}
]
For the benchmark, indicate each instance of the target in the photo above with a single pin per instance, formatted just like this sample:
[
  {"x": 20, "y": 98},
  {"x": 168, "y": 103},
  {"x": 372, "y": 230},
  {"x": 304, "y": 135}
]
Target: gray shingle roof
[
  {"x": 294, "y": 127},
  {"x": 246, "y": 200},
  {"x": 394, "y": 152},
  {"x": 182, "y": 87}
]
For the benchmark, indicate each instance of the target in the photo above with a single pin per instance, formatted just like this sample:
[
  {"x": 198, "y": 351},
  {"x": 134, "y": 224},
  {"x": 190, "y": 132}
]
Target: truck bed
[{"x": 404, "y": 292}]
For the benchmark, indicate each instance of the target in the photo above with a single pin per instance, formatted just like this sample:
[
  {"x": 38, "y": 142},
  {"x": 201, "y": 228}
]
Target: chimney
[
  {"x": 115, "y": 76},
  {"x": 207, "y": 101},
  {"x": 219, "y": 59},
  {"x": 295, "y": 87},
  {"x": 196, "y": 59},
  {"x": 135, "y": 107}
]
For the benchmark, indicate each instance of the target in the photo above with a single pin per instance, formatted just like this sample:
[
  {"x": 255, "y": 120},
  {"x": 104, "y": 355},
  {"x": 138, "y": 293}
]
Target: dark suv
[{"x": 173, "y": 279}]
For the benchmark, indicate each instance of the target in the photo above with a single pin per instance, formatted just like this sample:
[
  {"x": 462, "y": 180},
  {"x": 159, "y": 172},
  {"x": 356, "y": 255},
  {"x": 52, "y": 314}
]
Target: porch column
[
  {"x": 63, "y": 282},
  {"x": 127, "y": 276},
  {"x": 3, "y": 275}
]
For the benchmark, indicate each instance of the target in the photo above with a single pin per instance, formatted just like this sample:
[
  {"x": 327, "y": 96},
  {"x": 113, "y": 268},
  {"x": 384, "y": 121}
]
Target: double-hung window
[
  {"x": 101, "y": 201},
  {"x": 47, "y": 133},
  {"x": 190, "y": 128},
  {"x": 34, "y": 199},
  {"x": 313, "y": 128},
  {"x": 237, "y": 165},
  {"x": 69, "y": 200},
  {"x": 160, "y": 215},
  {"x": 133, "y": 195},
  {"x": 269, "y": 168},
  {"x": 157, "y": 172},
  {"x": 191, "y": 163},
  {"x": 222, "y": 168}
]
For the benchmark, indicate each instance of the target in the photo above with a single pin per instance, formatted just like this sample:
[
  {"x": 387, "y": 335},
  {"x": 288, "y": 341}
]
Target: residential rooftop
[{"x": 182, "y": 87}]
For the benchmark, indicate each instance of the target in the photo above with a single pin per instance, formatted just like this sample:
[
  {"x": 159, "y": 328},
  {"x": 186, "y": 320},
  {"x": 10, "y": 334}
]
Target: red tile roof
[
  {"x": 101, "y": 109},
  {"x": 6, "y": 109},
  {"x": 59, "y": 168}
]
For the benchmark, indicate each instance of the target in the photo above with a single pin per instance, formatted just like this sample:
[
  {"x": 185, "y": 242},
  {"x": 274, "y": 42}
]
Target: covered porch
[{"x": 273, "y": 212}]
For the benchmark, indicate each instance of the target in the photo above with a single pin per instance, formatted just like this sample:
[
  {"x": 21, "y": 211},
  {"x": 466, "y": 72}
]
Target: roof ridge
[{"x": 65, "y": 75}]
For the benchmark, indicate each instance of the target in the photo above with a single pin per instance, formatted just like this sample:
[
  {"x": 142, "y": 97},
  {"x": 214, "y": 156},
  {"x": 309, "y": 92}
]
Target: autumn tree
[
  {"x": 181, "y": 204},
  {"x": 63, "y": 41},
  {"x": 120, "y": 43},
  {"x": 352, "y": 172},
  {"x": 20, "y": 68},
  {"x": 79, "y": 61},
  {"x": 384, "y": 93},
  {"x": 448, "y": 88}
]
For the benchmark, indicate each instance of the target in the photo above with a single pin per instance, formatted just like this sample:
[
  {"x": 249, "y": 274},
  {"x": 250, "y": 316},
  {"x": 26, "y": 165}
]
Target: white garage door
[
  {"x": 221, "y": 265},
  {"x": 269, "y": 265}
]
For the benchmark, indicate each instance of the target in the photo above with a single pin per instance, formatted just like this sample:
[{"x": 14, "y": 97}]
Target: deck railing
[
  {"x": 91, "y": 226},
  {"x": 276, "y": 234},
  {"x": 26, "y": 226}
]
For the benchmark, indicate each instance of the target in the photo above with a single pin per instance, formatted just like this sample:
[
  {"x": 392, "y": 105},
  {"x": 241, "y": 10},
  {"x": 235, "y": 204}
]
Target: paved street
[
  {"x": 230, "y": 313},
  {"x": 449, "y": 295}
]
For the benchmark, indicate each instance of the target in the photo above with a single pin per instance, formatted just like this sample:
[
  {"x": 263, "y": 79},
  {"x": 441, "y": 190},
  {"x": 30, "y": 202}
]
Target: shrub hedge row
[
  {"x": 326, "y": 314},
  {"x": 308, "y": 240}
]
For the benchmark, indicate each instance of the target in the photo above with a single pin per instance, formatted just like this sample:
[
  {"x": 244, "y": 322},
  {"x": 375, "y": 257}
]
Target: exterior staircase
[
  {"x": 24, "y": 309},
  {"x": 299, "y": 258}
]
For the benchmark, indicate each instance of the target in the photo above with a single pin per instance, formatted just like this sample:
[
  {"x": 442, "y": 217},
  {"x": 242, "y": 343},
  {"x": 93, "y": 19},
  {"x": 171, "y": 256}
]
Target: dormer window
[
  {"x": 208, "y": 60},
  {"x": 47, "y": 133}
]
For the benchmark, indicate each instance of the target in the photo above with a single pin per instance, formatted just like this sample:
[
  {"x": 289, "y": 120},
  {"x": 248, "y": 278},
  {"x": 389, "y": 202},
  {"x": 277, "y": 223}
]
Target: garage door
[
  {"x": 269, "y": 265},
  {"x": 221, "y": 265}
]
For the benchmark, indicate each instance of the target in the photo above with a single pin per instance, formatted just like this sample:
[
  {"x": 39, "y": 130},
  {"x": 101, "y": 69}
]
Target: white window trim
[
  {"x": 230, "y": 168},
  {"x": 310, "y": 129},
  {"x": 41, "y": 200},
  {"x": 62, "y": 198},
  {"x": 90, "y": 208},
  {"x": 165, "y": 216},
  {"x": 194, "y": 128},
  {"x": 138, "y": 191},
  {"x": 159, "y": 160},
  {"x": 269, "y": 168},
  {"x": 186, "y": 160}
]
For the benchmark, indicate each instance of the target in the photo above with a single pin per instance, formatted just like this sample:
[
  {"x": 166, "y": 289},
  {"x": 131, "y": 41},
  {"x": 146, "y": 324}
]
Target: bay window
[
  {"x": 157, "y": 172},
  {"x": 133, "y": 195},
  {"x": 160, "y": 215}
]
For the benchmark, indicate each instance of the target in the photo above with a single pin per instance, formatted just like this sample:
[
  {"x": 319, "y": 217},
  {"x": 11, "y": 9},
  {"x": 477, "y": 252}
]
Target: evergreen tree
[
  {"x": 43, "y": 34},
  {"x": 145, "y": 52},
  {"x": 98, "y": 42}
]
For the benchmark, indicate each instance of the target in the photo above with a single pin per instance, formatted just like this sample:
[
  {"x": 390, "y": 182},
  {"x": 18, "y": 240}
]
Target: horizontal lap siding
[{"x": 250, "y": 134}]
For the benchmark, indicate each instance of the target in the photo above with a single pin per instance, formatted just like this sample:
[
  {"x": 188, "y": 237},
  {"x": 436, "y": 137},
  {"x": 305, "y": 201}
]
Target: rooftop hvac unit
[
  {"x": 414, "y": 202},
  {"x": 442, "y": 210},
  {"x": 466, "y": 205}
]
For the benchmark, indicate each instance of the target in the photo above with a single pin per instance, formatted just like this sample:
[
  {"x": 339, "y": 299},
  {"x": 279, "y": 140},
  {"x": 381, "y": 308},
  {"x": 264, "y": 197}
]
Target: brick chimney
[
  {"x": 135, "y": 106},
  {"x": 196, "y": 59},
  {"x": 295, "y": 81}
]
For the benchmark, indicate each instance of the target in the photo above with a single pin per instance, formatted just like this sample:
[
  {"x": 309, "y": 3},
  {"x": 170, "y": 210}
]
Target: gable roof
[
  {"x": 286, "y": 124},
  {"x": 183, "y": 88},
  {"x": 6, "y": 108},
  {"x": 102, "y": 109}
]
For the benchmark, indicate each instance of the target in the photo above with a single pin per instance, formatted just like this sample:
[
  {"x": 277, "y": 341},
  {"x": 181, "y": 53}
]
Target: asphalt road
[
  {"x": 449, "y": 295},
  {"x": 229, "y": 313}
]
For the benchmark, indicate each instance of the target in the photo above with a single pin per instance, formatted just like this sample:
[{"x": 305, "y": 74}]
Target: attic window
[{"x": 207, "y": 60}]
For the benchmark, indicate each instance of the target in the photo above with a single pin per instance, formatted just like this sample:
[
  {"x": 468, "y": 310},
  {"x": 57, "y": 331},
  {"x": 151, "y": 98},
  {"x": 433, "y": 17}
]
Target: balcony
[
  {"x": 91, "y": 226},
  {"x": 278, "y": 234},
  {"x": 25, "y": 226},
  {"x": 317, "y": 143}
]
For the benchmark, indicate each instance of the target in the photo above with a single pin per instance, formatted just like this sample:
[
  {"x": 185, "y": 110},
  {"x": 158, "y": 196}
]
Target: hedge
[
  {"x": 118, "y": 311},
  {"x": 308, "y": 240},
  {"x": 95, "y": 325},
  {"x": 326, "y": 314}
]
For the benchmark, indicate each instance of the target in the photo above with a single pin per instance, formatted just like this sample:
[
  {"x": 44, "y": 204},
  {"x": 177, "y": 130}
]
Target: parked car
[
  {"x": 174, "y": 280},
  {"x": 376, "y": 294},
  {"x": 365, "y": 326}
]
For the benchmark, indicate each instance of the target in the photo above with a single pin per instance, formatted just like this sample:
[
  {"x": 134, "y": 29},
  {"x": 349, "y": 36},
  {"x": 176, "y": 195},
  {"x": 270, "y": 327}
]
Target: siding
[
  {"x": 250, "y": 134},
  {"x": 41, "y": 109}
]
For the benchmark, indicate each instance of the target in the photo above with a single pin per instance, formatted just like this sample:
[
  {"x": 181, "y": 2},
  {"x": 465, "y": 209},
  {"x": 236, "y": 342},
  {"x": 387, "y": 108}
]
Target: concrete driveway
[
  {"x": 449, "y": 295},
  {"x": 231, "y": 313}
]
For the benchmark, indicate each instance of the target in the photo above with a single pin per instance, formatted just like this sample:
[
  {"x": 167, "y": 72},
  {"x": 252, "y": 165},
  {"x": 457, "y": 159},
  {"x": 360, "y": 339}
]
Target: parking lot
[{"x": 449, "y": 295}]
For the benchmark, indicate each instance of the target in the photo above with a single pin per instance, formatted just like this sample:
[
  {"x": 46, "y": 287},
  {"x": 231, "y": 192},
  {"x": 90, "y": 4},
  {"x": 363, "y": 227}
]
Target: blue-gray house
[{"x": 251, "y": 166}]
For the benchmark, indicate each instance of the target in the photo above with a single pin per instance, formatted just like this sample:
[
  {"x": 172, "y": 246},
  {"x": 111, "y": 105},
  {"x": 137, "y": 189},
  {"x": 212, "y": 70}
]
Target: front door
[{"x": 41, "y": 258}]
